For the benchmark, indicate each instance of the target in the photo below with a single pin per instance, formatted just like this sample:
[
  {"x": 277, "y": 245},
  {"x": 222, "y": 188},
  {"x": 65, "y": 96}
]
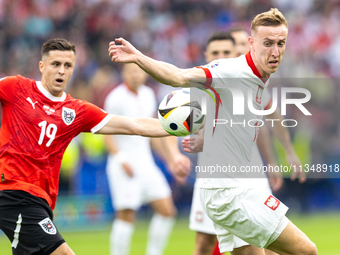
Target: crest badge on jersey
[
  {"x": 48, "y": 226},
  {"x": 199, "y": 216},
  {"x": 272, "y": 202},
  {"x": 68, "y": 115}
]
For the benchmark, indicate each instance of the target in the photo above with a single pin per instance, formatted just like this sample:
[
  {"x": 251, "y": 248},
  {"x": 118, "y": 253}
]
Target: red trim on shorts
[{"x": 216, "y": 250}]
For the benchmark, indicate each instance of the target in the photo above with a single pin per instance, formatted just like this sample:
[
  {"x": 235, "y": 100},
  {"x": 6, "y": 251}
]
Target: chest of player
[{"x": 37, "y": 118}]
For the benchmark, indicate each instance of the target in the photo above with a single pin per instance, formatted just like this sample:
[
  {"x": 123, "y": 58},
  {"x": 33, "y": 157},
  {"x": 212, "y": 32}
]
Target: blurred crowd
[
  {"x": 176, "y": 31},
  {"x": 172, "y": 30}
]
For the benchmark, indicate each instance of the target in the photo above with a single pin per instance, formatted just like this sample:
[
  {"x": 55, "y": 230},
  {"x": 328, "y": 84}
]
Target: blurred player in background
[
  {"x": 39, "y": 121},
  {"x": 222, "y": 45},
  {"x": 133, "y": 175},
  {"x": 237, "y": 209}
]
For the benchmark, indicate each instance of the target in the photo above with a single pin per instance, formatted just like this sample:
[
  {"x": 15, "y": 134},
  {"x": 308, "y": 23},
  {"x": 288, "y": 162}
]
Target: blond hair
[{"x": 273, "y": 17}]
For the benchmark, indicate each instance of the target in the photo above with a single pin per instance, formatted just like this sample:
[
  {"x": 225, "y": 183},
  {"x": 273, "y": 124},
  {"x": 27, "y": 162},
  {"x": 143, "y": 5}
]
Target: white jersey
[
  {"x": 231, "y": 144},
  {"x": 123, "y": 101}
]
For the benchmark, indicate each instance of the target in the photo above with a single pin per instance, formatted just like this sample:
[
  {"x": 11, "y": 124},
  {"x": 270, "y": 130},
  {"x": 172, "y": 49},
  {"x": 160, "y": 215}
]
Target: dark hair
[
  {"x": 57, "y": 44},
  {"x": 219, "y": 36}
]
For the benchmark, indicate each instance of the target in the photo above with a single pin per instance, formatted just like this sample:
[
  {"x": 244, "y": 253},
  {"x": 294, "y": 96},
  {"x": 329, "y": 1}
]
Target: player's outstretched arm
[
  {"x": 121, "y": 125},
  {"x": 161, "y": 71}
]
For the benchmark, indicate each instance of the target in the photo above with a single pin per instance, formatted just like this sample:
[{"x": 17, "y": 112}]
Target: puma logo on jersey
[{"x": 30, "y": 100}]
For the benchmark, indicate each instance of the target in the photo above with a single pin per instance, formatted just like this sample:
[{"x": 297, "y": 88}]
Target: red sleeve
[
  {"x": 7, "y": 89},
  {"x": 94, "y": 117}
]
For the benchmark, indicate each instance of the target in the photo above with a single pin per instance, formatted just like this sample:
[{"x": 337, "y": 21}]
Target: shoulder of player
[
  {"x": 24, "y": 79},
  {"x": 17, "y": 79},
  {"x": 226, "y": 63}
]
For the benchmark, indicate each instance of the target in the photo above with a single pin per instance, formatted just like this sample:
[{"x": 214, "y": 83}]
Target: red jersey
[{"x": 36, "y": 130}]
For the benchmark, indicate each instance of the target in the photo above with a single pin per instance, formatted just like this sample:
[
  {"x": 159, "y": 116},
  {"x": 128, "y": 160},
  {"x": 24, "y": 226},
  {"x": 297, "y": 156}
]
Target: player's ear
[
  {"x": 205, "y": 56},
  {"x": 41, "y": 66},
  {"x": 251, "y": 41}
]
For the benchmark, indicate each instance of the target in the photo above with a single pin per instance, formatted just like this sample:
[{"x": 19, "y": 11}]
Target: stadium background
[{"x": 176, "y": 31}]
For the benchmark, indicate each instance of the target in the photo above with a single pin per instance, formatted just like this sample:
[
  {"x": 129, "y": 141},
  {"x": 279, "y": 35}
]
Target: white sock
[
  {"x": 159, "y": 231},
  {"x": 120, "y": 237}
]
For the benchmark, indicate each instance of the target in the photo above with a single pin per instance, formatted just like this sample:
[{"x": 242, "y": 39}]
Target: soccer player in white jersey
[
  {"x": 220, "y": 45},
  {"x": 237, "y": 209},
  {"x": 133, "y": 175},
  {"x": 223, "y": 45}
]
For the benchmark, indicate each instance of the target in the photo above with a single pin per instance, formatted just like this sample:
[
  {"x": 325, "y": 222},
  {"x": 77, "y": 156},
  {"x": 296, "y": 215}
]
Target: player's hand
[
  {"x": 275, "y": 180},
  {"x": 127, "y": 168},
  {"x": 193, "y": 144},
  {"x": 124, "y": 53},
  {"x": 180, "y": 166},
  {"x": 295, "y": 162}
]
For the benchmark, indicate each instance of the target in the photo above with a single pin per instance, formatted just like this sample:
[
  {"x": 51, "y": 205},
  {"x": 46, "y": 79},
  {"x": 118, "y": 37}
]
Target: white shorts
[
  {"x": 132, "y": 192},
  {"x": 249, "y": 213},
  {"x": 199, "y": 220}
]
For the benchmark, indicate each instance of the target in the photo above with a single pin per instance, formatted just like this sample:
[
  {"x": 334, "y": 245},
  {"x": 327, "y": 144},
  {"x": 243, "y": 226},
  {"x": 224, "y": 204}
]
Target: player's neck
[
  {"x": 53, "y": 93},
  {"x": 263, "y": 74}
]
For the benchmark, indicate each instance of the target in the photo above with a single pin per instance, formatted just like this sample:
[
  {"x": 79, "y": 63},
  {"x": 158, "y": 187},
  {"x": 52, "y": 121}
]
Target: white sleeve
[{"x": 222, "y": 70}]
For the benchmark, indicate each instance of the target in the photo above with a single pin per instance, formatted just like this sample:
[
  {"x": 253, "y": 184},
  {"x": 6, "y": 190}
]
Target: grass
[{"x": 322, "y": 229}]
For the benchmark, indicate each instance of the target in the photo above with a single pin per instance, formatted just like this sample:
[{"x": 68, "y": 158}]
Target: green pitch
[{"x": 322, "y": 229}]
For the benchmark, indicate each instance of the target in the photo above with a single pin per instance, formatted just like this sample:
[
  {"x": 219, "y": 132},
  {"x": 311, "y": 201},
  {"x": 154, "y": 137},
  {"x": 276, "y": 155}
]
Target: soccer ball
[{"x": 180, "y": 114}]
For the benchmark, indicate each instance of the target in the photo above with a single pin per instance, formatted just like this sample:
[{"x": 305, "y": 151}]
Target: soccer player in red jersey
[{"x": 39, "y": 121}]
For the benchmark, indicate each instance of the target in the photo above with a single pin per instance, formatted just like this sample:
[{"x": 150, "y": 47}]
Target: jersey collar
[
  {"x": 251, "y": 64},
  {"x": 48, "y": 94}
]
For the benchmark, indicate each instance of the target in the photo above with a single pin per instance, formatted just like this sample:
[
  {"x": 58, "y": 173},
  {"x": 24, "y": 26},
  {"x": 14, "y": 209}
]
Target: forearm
[
  {"x": 163, "y": 72},
  {"x": 265, "y": 146},
  {"x": 282, "y": 133},
  {"x": 149, "y": 127},
  {"x": 120, "y": 125}
]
